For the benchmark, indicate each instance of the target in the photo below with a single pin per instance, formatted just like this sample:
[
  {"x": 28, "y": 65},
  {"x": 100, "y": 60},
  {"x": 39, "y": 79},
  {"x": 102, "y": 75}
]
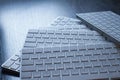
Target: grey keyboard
[
  {"x": 82, "y": 62},
  {"x": 66, "y": 23},
  {"x": 106, "y": 22},
  {"x": 12, "y": 63}
]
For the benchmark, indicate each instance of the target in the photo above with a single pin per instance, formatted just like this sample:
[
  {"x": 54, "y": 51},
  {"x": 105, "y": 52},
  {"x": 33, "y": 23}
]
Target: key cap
[
  {"x": 61, "y": 55},
  {"x": 43, "y": 56},
  {"x": 115, "y": 62},
  {"x": 78, "y": 65},
  {"x": 46, "y": 73},
  {"x": 15, "y": 66},
  {"x": 28, "y": 68},
  {"x": 56, "y": 49},
  {"x": 57, "y": 61},
  {"x": 55, "y": 73},
  {"x": 39, "y": 50},
  {"x": 106, "y": 63},
  {"x": 38, "y": 62},
  {"x": 74, "y": 72},
  {"x": 66, "y": 60},
  {"x": 75, "y": 59},
  {"x": 25, "y": 57},
  {"x": 64, "y": 49},
  {"x": 26, "y": 75},
  {"x": 15, "y": 58},
  {"x": 69, "y": 66},
  {"x": 84, "y": 71},
  {"x": 8, "y": 63},
  {"x": 27, "y": 62},
  {"x": 84, "y": 59},
  {"x": 41, "y": 68},
  {"x": 36, "y": 74},
  {"x": 50, "y": 67},
  {"x": 87, "y": 65},
  {"x": 73, "y": 48},
  {"x": 47, "y": 50},
  {"x": 59, "y": 66},
  {"x": 70, "y": 54},
  {"x": 27, "y": 51},
  {"x": 48, "y": 61},
  {"x": 96, "y": 64},
  {"x": 103, "y": 70},
  {"x": 94, "y": 70},
  {"x": 102, "y": 58},
  {"x": 93, "y": 58},
  {"x": 65, "y": 72},
  {"x": 32, "y": 56}
]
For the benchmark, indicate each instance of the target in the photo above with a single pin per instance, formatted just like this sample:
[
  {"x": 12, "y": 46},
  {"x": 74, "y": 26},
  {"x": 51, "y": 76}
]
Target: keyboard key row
[
  {"x": 101, "y": 49},
  {"x": 72, "y": 72}
]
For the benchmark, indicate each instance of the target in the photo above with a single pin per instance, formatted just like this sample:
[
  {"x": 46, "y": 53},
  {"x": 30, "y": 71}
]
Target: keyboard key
[
  {"x": 38, "y": 62},
  {"x": 27, "y": 51},
  {"x": 84, "y": 71},
  {"x": 103, "y": 70},
  {"x": 68, "y": 66},
  {"x": 36, "y": 74},
  {"x": 59, "y": 66},
  {"x": 15, "y": 66},
  {"x": 46, "y": 73},
  {"x": 50, "y": 67},
  {"x": 27, "y": 62},
  {"x": 78, "y": 65},
  {"x": 28, "y": 68},
  {"x": 65, "y": 72},
  {"x": 55, "y": 73},
  {"x": 26, "y": 75},
  {"x": 75, "y": 72}
]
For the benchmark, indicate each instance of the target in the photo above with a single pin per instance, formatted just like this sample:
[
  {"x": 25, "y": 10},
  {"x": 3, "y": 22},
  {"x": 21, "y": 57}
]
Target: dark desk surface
[{"x": 17, "y": 16}]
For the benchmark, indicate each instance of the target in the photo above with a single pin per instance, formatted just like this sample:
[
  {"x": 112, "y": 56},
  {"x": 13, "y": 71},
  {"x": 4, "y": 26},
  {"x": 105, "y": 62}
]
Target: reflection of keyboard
[
  {"x": 71, "y": 62},
  {"x": 107, "y": 23}
]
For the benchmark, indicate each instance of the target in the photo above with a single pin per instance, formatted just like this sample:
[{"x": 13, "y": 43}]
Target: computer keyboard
[
  {"x": 12, "y": 63},
  {"x": 68, "y": 24},
  {"x": 106, "y": 22},
  {"x": 82, "y": 62}
]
